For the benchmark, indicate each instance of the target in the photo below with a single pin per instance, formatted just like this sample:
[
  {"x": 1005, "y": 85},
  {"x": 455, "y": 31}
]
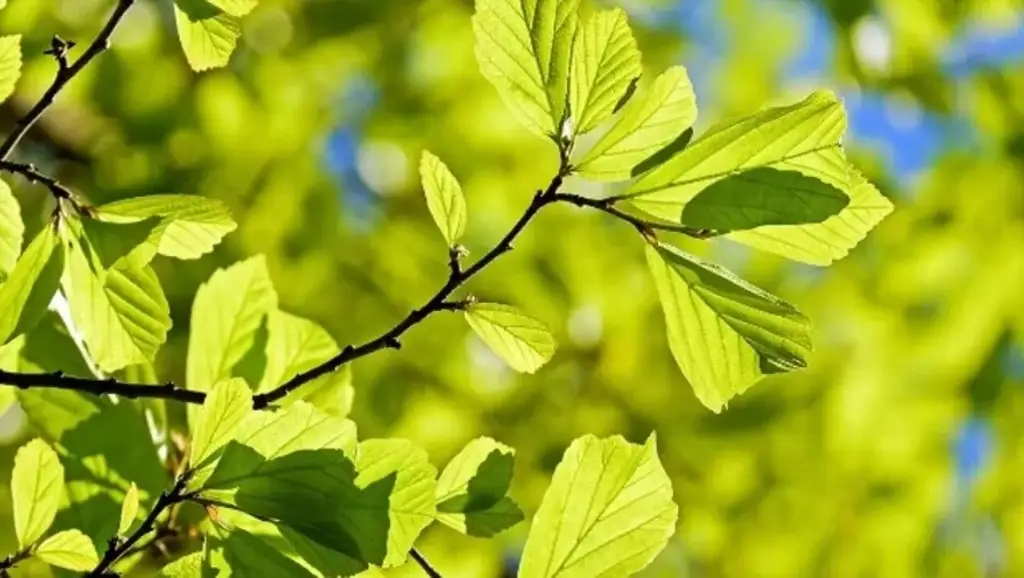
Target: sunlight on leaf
[
  {"x": 445, "y": 201},
  {"x": 471, "y": 490},
  {"x": 605, "y": 63},
  {"x": 129, "y": 510},
  {"x": 30, "y": 287},
  {"x": 70, "y": 549},
  {"x": 525, "y": 343},
  {"x": 37, "y": 484},
  {"x": 225, "y": 408},
  {"x": 208, "y": 35},
  {"x": 190, "y": 226},
  {"x": 10, "y": 64},
  {"x": 12, "y": 230}
]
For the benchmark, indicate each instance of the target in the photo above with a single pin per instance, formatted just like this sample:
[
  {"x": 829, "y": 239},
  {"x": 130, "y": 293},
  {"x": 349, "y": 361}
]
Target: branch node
[{"x": 392, "y": 342}]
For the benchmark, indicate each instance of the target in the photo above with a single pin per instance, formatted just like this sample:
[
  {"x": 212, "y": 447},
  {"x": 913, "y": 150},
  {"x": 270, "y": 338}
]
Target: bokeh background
[{"x": 898, "y": 453}]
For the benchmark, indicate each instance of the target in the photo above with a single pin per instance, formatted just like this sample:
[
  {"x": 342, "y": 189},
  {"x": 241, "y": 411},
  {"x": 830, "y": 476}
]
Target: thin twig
[
  {"x": 58, "y": 380},
  {"x": 65, "y": 72},
  {"x": 30, "y": 172},
  {"x": 418, "y": 557},
  {"x": 117, "y": 548},
  {"x": 645, "y": 227},
  {"x": 9, "y": 562}
]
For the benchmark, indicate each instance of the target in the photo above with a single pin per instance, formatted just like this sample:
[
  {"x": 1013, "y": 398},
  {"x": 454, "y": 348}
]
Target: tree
[{"x": 269, "y": 457}]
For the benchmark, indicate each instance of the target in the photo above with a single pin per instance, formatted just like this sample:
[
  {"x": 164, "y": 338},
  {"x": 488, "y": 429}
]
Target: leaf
[
  {"x": 37, "y": 483},
  {"x": 803, "y": 137},
  {"x": 122, "y": 312},
  {"x": 524, "y": 48},
  {"x": 223, "y": 411},
  {"x": 608, "y": 512},
  {"x": 724, "y": 333},
  {"x": 129, "y": 510},
  {"x": 12, "y": 231},
  {"x": 10, "y": 64},
  {"x": 70, "y": 549},
  {"x": 241, "y": 553},
  {"x": 190, "y": 566},
  {"x": 208, "y": 35},
  {"x": 191, "y": 226},
  {"x": 761, "y": 197},
  {"x": 471, "y": 490},
  {"x": 115, "y": 244},
  {"x": 831, "y": 240},
  {"x": 647, "y": 124},
  {"x": 235, "y": 7},
  {"x": 27, "y": 293},
  {"x": 605, "y": 63},
  {"x": 523, "y": 342},
  {"x": 444, "y": 197},
  {"x": 226, "y": 313}
]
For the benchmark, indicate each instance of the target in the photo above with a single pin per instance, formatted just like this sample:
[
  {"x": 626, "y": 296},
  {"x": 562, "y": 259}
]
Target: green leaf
[
  {"x": 27, "y": 293},
  {"x": 208, "y": 35},
  {"x": 295, "y": 345},
  {"x": 121, "y": 313},
  {"x": 724, "y": 333},
  {"x": 524, "y": 48},
  {"x": 826, "y": 242},
  {"x": 761, "y": 197},
  {"x": 10, "y": 64},
  {"x": 12, "y": 231},
  {"x": 241, "y": 553},
  {"x": 115, "y": 244},
  {"x": 190, "y": 566},
  {"x": 235, "y": 7},
  {"x": 646, "y": 125},
  {"x": 524, "y": 342},
  {"x": 223, "y": 411},
  {"x": 471, "y": 490},
  {"x": 129, "y": 510},
  {"x": 37, "y": 483},
  {"x": 803, "y": 137},
  {"x": 605, "y": 63},
  {"x": 444, "y": 197},
  {"x": 226, "y": 313},
  {"x": 608, "y": 512},
  {"x": 191, "y": 226},
  {"x": 70, "y": 549}
]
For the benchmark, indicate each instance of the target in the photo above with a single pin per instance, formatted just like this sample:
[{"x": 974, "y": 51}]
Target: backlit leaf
[
  {"x": 70, "y": 549},
  {"x": 608, "y": 512},
  {"x": 37, "y": 483},
  {"x": 190, "y": 566},
  {"x": 524, "y": 342},
  {"x": 30, "y": 287},
  {"x": 235, "y": 7},
  {"x": 471, "y": 489},
  {"x": 724, "y": 333},
  {"x": 191, "y": 226},
  {"x": 226, "y": 406},
  {"x": 444, "y": 197},
  {"x": 647, "y": 124},
  {"x": 605, "y": 62},
  {"x": 524, "y": 48},
  {"x": 208, "y": 35},
  {"x": 129, "y": 510},
  {"x": 10, "y": 64},
  {"x": 11, "y": 231}
]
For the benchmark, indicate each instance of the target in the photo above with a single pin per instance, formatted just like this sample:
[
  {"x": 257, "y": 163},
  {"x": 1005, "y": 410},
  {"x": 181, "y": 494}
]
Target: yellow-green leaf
[
  {"x": 647, "y": 124},
  {"x": 724, "y": 333},
  {"x": 828, "y": 241},
  {"x": 524, "y": 48},
  {"x": 608, "y": 512},
  {"x": 191, "y": 226},
  {"x": 10, "y": 64},
  {"x": 30, "y": 287},
  {"x": 223, "y": 411},
  {"x": 235, "y": 7},
  {"x": 444, "y": 197},
  {"x": 129, "y": 509},
  {"x": 70, "y": 549},
  {"x": 605, "y": 61},
  {"x": 37, "y": 484},
  {"x": 471, "y": 490},
  {"x": 525, "y": 343},
  {"x": 208, "y": 35},
  {"x": 803, "y": 137},
  {"x": 12, "y": 231}
]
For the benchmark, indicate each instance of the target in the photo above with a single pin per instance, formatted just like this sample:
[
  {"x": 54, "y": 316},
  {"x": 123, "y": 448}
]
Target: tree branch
[
  {"x": 424, "y": 563},
  {"x": 645, "y": 227},
  {"x": 117, "y": 548},
  {"x": 65, "y": 72},
  {"x": 29, "y": 171},
  {"x": 58, "y": 380}
]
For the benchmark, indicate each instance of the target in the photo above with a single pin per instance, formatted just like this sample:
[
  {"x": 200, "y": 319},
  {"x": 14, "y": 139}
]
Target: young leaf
[
  {"x": 444, "y": 197},
  {"x": 605, "y": 62},
  {"x": 826, "y": 242},
  {"x": 10, "y": 64},
  {"x": 608, "y": 512},
  {"x": 647, "y": 124},
  {"x": 121, "y": 313},
  {"x": 803, "y": 137},
  {"x": 524, "y": 48},
  {"x": 227, "y": 405},
  {"x": 471, "y": 490},
  {"x": 70, "y": 549},
  {"x": 226, "y": 313},
  {"x": 12, "y": 231},
  {"x": 724, "y": 333},
  {"x": 191, "y": 226},
  {"x": 129, "y": 510},
  {"x": 524, "y": 342},
  {"x": 208, "y": 35},
  {"x": 31, "y": 285},
  {"x": 37, "y": 483},
  {"x": 190, "y": 566}
]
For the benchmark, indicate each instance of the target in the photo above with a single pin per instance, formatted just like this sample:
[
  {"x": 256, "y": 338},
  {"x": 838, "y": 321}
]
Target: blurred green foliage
[{"x": 846, "y": 469}]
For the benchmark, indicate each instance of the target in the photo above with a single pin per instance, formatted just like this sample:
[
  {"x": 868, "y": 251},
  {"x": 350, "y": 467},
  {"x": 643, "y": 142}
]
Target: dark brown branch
[
  {"x": 424, "y": 563},
  {"x": 118, "y": 547},
  {"x": 645, "y": 227},
  {"x": 58, "y": 380},
  {"x": 8, "y": 563},
  {"x": 30, "y": 172},
  {"x": 65, "y": 72}
]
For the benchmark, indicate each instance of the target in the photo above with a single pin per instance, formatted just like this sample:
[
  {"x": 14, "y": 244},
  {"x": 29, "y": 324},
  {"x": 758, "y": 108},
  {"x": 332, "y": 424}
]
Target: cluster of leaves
[{"x": 287, "y": 485}]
